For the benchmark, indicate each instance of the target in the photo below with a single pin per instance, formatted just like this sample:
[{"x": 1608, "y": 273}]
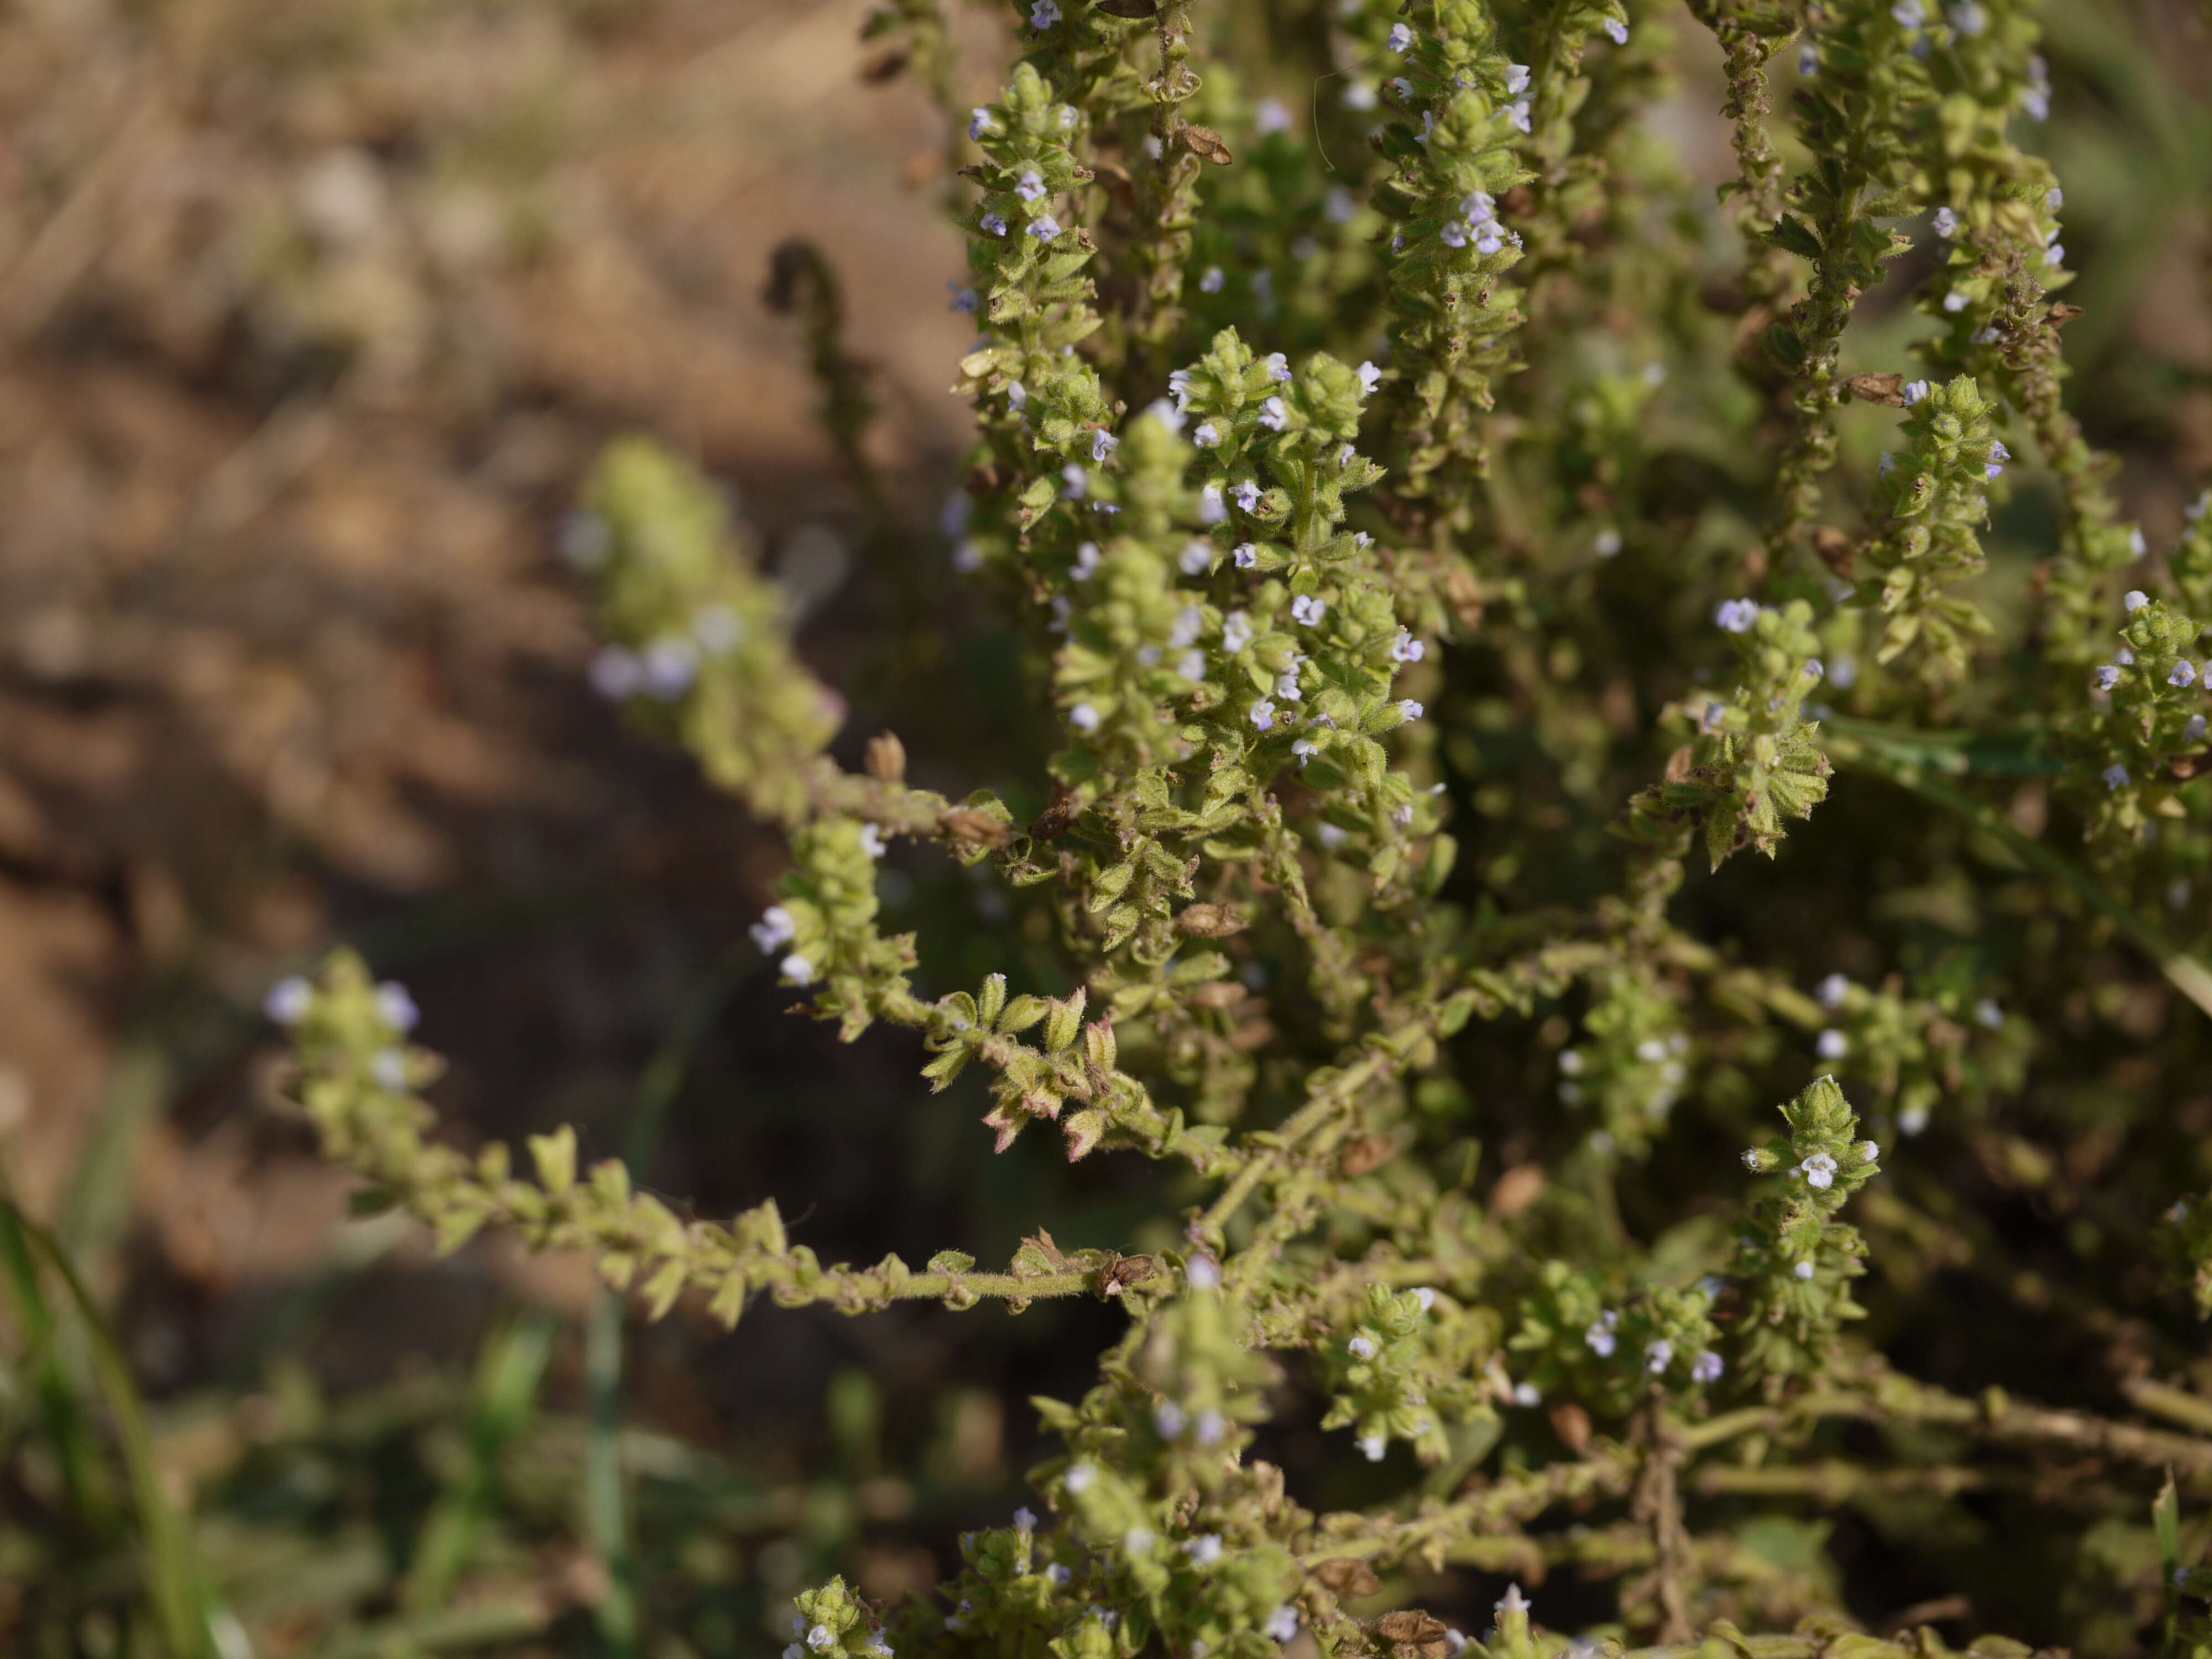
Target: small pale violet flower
[
  {"x": 1170, "y": 1419},
  {"x": 1236, "y": 632},
  {"x": 1406, "y": 649},
  {"x": 1277, "y": 367},
  {"x": 1658, "y": 1356},
  {"x": 1305, "y": 749},
  {"x": 1833, "y": 1045},
  {"x": 978, "y": 122},
  {"x": 1956, "y": 299},
  {"x": 1410, "y": 710},
  {"x": 1211, "y": 281},
  {"x": 1946, "y": 224},
  {"x": 1044, "y": 227},
  {"x": 1212, "y": 1426},
  {"x": 1307, "y": 610},
  {"x": 1044, "y": 13},
  {"x": 1031, "y": 186},
  {"x": 1909, "y": 13},
  {"x": 872, "y": 840},
  {"x": 1263, "y": 715},
  {"x": 819, "y": 1638},
  {"x": 1602, "y": 1342},
  {"x": 1246, "y": 555},
  {"x": 1210, "y": 508},
  {"x": 1361, "y": 1347},
  {"x": 1274, "y": 414},
  {"x": 1103, "y": 444},
  {"x": 396, "y": 1008},
  {"x": 1808, "y": 60},
  {"x": 797, "y": 968},
  {"x": 1077, "y": 480},
  {"x": 2184, "y": 673},
  {"x": 1248, "y": 495},
  {"x": 1195, "y": 559},
  {"x": 1516, "y": 79},
  {"x": 1454, "y": 233},
  {"x": 388, "y": 1068},
  {"x": 1819, "y": 1170},
  {"x": 2107, "y": 676},
  {"x": 2194, "y": 731},
  {"x": 1914, "y": 391},
  {"x": 288, "y": 1000},
  {"x": 1736, "y": 616},
  {"x": 2115, "y": 777},
  {"x": 964, "y": 300},
  {"x": 1204, "y": 1551},
  {"x": 993, "y": 224},
  {"x": 616, "y": 674},
  {"x": 1401, "y": 37},
  {"x": 1078, "y": 1480},
  {"x": 1369, "y": 377},
  {"x": 1706, "y": 1368},
  {"x": 1967, "y": 18},
  {"x": 774, "y": 930},
  {"x": 2134, "y": 599},
  {"x": 1207, "y": 436},
  {"x": 1616, "y": 31},
  {"x": 1283, "y": 1624},
  {"x": 1803, "y": 1270},
  {"x": 1522, "y": 119},
  {"x": 1083, "y": 717},
  {"x": 1832, "y": 990}
]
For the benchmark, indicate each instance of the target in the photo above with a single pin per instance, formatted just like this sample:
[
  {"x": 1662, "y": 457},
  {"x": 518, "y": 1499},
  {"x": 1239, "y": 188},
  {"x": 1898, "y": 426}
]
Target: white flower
[
  {"x": 1191, "y": 667},
  {"x": 1211, "y": 509},
  {"x": 1024, "y": 1520},
  {"x": 2134, "y": 599},
  {"x": 1658, "y": 1356},
  {"x": 1170, "y": 1419},
  {"x": 1967, "y": 18},
  {"x": 1401, "y": 37},
  {"x": 1277, "y": 367},
  {"x": 1286, "y": 686},
  {"x": 1511, "y": 1601},
  {"x": 1602, "y": 1342},
  {"x": 872, "y": 840},
  {"x": 1017, "y": 396},
  {"x": 1138, "y": 1540},
  {"x": 1868, "y": 1151},
  {"x": 1946, "y": 224},
  {"x": 1369, "y": 377},
  {"x": 1305, "y": 749},
  {"x": 1819, "y": 1170},
  {"x": 1263, "y": 715},
  {"x": 1912, "y": 1119},
  {"x": 978, "y": 122},
  {"x": 1427, "y": 1297},
  {"x": 1736, "y": 616},
  {"x": 1057, "y": 1576},
  {"x": 1086, "y": 562},
  {"x": 1274, "y": 414},
  {"x": 388, "y": 1068},
  {"x": 1078, "y": 1480},
  {"x": 1362, "y": 1347},
  {"x": 1212, "y": 1426},
  {"x": 1202, "y": 1272},
  {"x": 1752, "y": 1159},
  {"x": 1833, "y": 1045},
  {"x": 1211, "y": 281},
  {"x": 1236, "y": 632},
  {"x": 1528, "y": 1393},
  {"x": 1516, "y": 79},
  {"x": 1332, "y": 836},
  {"x": 1909, "y": 13},
  {"x": 1195, "y": 559},
  {"x": 797, "y": 968},
  {"x": 1307, "y": 610},
  {"x": 1406, "y": 649},
  {"x": 1803, "y": 1270},
  {"x": 1102, "y": 444},
  {"x": 288, "y": 1000},
  {"x": 1833, "y": 991},
  {"x": 1083, "y": 717},
  {"x": 1205, "y": 1550},
  {"x": 774, "y": 930},
  {"x": 1372, "y": 1446},
  {"x": 1188, "y": 621},
  {"x": 1283, "y": 1623},
  {"x": 819, "y": 1638}
]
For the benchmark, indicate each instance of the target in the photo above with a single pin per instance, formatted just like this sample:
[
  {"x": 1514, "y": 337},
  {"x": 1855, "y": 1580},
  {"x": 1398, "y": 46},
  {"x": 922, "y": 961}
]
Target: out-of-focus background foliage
[{"x": 312, "y": 317}]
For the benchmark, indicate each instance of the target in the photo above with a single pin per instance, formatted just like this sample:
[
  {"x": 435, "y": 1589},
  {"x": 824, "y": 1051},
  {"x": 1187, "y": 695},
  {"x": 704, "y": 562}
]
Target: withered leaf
[{"x": 1205, "y": 142}]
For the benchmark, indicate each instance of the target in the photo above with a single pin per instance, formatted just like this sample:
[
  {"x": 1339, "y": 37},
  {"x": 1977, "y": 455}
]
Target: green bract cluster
[{"x": 1437, "y": 542}]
